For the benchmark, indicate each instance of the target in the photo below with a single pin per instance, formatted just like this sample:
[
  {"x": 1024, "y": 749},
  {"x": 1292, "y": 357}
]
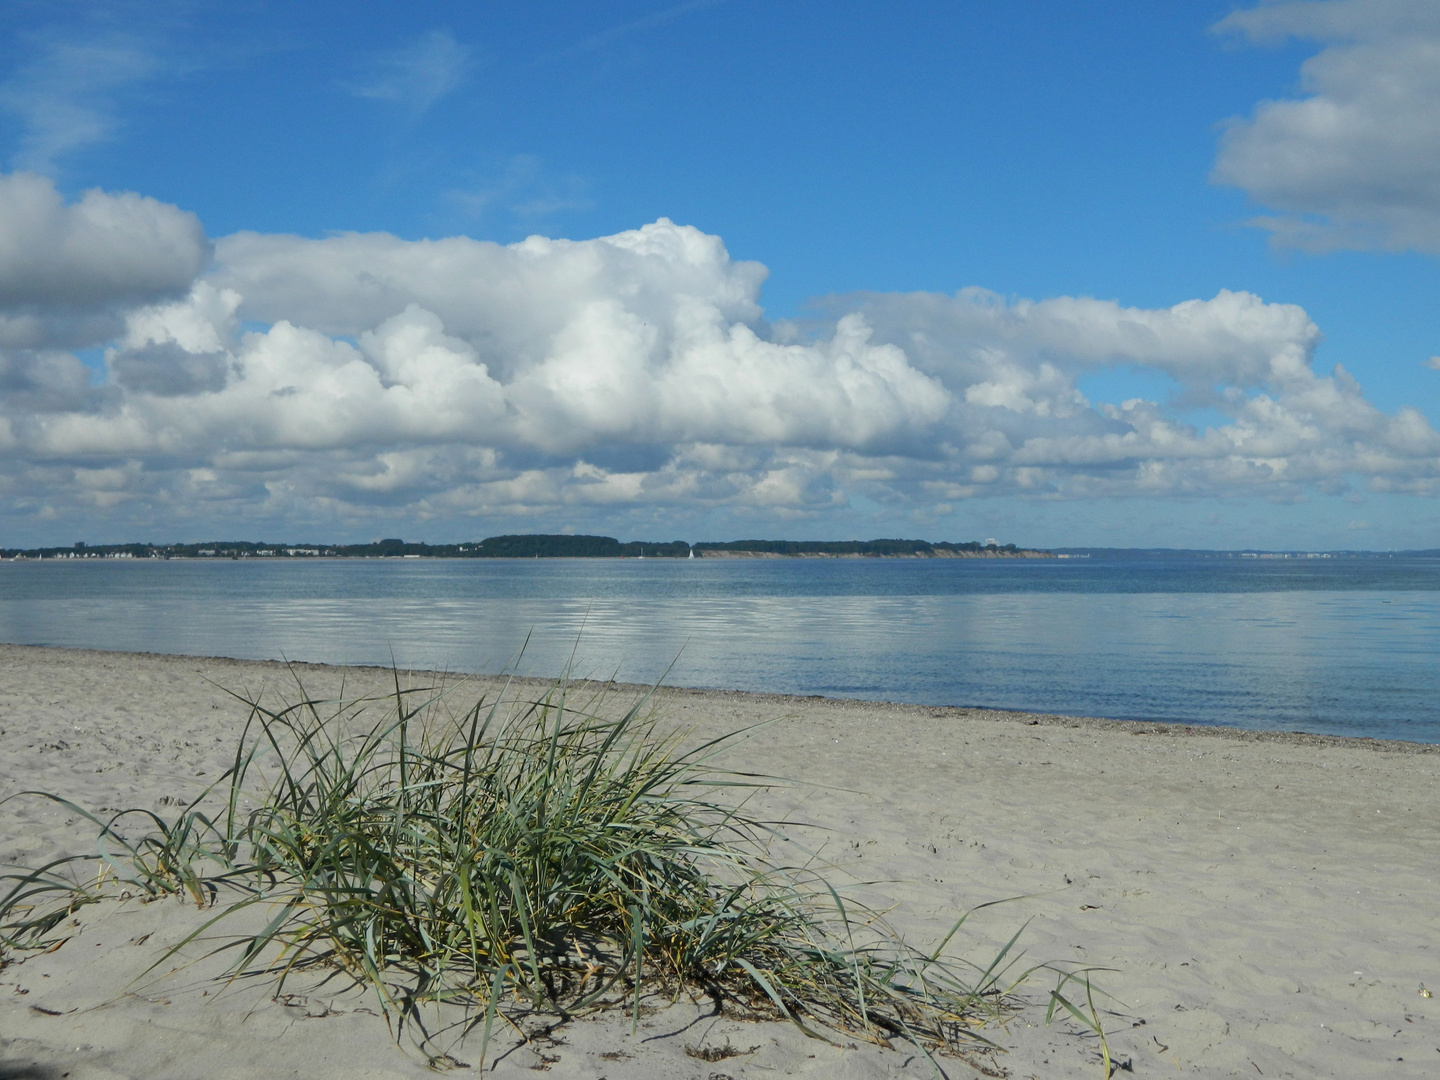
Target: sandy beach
[{"x": 1265, "y": 904}]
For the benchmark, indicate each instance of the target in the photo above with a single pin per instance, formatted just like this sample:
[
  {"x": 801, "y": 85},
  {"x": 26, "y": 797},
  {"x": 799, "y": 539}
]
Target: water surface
[{"x": 1331, "y": 646}]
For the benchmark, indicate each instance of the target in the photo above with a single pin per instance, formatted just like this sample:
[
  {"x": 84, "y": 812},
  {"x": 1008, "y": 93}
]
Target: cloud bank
[
  {"x": 339, "y": 379},
  {"x": 1355, "y": 162}
]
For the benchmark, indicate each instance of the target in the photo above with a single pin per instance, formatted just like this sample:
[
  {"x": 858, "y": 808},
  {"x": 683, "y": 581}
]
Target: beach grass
[{"x": 557, "y": 855}]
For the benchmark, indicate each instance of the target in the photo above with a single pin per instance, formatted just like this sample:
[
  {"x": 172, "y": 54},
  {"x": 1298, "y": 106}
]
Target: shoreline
[
  {"x": 1180, "y": 728},
  {"x": 1257, "y": 901},
  {"x": 720, "y": 553},
  {"x": 703, "y": 553}
]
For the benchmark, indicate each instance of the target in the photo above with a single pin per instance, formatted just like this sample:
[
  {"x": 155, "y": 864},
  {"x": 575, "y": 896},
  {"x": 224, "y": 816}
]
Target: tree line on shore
[{"x": 531, "y": 546}]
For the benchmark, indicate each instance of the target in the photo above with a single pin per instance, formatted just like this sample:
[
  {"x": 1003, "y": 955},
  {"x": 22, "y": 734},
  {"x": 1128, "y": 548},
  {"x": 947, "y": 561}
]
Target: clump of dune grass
[{"x": 516, "y": 856}]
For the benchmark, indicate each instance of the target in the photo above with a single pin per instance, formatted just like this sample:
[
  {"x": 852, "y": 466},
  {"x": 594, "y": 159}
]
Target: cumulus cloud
[
  {"x": 66, "y": 270},
  {"x": 1234, "y": 339},
  {"x": 321, "y": 379},
  {"x": 1355, "y": 162},
  {"x": 168, "y": 370},
  {"x": 44, "y": 381},
  {"x": 102, "y": 250},
  {"x": 1023, "y": 424}
]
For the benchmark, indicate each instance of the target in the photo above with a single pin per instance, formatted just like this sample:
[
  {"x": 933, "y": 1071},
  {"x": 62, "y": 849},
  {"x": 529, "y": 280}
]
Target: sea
[{"x": 1336, "y": 646}]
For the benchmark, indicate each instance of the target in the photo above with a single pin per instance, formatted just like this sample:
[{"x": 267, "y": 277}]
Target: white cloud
[
  {"x": 1334, "y": 19},
  {"x": 610, "y": 36},
  {"x": 1289, "y": 429},
  {"x": 1356, "y": 161},
  {"x": 504, "y": 299},
  {"x": 524, "y": 190},
  {"x": 459, "y": 377},
  {"x": 419, "y": 74},
  {"x": 102, "y": 250},
  {"x": 1234, "y": 339},
  {"x": 69, "y": 272},
  {"x": 548, "y": 347},
  {"x": 66, "y": 97}
]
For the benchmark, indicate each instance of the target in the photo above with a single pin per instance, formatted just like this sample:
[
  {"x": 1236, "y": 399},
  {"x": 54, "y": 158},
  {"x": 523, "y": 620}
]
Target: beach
[{"x": 1257, "y": 903}]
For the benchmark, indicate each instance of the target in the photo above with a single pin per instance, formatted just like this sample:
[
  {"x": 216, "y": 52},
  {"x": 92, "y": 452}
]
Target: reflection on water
[{"x": 1355, "y": 658}]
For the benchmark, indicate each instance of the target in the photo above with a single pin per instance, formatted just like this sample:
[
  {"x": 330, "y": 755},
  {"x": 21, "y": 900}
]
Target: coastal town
[{"x": 539, "y": 546}]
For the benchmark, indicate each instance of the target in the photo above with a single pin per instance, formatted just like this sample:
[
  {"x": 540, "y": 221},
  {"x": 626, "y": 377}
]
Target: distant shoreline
[
  {"x": 1025, "y": 553},
  {"x": 540, "y": 546},
  {"x": 728, "y": 555},
  {"x": 566, "y": 546}
]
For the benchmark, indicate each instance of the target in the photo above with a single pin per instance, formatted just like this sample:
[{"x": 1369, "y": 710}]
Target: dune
[{"x": 1258, "y": 904}]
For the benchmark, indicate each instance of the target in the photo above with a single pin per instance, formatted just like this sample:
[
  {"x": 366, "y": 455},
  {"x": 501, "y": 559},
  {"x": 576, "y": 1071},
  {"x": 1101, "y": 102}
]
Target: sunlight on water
[{"x": 1342, "y": 649}]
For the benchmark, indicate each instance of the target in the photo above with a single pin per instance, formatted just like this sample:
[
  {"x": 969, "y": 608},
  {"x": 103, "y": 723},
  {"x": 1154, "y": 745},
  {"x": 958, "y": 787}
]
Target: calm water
[{"x": 1342, "y": 647}]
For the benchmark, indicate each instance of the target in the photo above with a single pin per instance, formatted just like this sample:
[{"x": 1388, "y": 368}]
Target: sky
[{"x": 1061, "y": 273}]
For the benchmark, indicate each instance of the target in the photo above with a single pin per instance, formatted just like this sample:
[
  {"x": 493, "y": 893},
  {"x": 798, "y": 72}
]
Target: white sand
[{"x": 1268, "y": 903}]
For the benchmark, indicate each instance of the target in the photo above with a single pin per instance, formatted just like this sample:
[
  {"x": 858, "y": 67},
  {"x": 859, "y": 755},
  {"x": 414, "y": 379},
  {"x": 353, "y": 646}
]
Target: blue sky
[{"x": 984, "y": 228}]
